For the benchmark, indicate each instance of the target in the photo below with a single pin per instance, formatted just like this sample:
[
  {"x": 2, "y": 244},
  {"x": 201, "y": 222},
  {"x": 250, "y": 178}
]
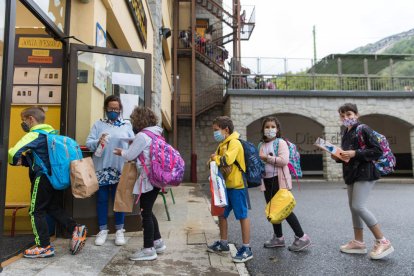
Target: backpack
[
  {"x": 294, "y": 158},
  {"x": 167, "y": 165},
  {"x": 386, "y": 163},
  {"x": 254, "y": 165},
  {"x": 62, "y": 150}
]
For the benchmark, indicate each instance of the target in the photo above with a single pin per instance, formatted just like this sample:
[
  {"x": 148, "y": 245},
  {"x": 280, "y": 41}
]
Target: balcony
[{"x": 334, "y": 73}]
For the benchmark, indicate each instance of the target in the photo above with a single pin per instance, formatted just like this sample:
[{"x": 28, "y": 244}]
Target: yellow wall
[
  {"x": 18, "y": 183},
  {"x": 185, "y": 79}
]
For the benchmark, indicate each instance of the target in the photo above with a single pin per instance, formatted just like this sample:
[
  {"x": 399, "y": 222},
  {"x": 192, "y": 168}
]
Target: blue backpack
[
  {"x": 254, "y": 165},
  {"x": 61, "y": 150}
]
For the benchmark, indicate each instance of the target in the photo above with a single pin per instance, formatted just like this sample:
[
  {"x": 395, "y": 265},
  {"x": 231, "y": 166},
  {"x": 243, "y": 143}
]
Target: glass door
[{"x": 96, "y": 73}]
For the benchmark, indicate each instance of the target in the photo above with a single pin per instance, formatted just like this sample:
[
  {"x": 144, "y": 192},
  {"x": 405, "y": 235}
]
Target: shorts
[{"x": 237, "y": 201}]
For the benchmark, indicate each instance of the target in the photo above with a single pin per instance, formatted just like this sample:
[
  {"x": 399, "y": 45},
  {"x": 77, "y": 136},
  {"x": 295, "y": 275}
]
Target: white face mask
[{"x": 270, "y": 133}]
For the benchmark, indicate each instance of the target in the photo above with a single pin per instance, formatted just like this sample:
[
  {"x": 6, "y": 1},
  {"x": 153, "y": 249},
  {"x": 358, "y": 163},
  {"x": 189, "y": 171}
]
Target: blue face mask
[
  {"x": 112, "y": 115},
  {"x": 218, "y": 136}
]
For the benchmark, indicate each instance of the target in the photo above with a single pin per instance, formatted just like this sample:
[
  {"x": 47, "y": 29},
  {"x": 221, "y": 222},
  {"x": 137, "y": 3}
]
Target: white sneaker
[
  {"x": 119, "y": 237},
  {"x": 101, "y": 237},
  {"x": 145, "y": 254},
  {"x": 160, "y": 246}
]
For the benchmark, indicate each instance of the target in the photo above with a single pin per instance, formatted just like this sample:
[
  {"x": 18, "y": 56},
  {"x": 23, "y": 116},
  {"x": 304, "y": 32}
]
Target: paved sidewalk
[{"x": 186, "y": 235}]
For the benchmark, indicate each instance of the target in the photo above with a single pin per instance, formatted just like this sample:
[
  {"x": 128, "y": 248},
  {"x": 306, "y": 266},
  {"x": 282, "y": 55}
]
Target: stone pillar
[
  {"x": 156, "y": 15},
  {"x": 332, "y": 171},
  {"x": 412, "y": 147}
]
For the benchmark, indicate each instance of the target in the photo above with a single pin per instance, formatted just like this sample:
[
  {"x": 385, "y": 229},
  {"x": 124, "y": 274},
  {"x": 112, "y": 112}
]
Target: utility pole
[{"x": 314, "y": 44}]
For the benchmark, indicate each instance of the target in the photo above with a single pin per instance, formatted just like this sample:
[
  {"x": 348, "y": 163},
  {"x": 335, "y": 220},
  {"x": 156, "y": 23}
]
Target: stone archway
[
  {"x": 300, "y": 130},
  {"x": 399, "y": 136}
]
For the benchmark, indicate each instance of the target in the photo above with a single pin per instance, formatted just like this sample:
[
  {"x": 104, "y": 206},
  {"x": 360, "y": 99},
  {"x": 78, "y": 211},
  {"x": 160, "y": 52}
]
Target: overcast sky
[{"x": 284, "y": 28}]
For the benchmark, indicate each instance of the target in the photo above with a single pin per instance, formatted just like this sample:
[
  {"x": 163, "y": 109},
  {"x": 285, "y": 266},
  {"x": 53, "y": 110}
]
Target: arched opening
[
  {"x": 397, "y": 132},
  {"x": 300, "y": 130}
]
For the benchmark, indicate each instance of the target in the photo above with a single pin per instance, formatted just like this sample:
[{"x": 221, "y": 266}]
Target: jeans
[
  {"x": 102, "y": 207},
  {"x": 149, "y": 221}
]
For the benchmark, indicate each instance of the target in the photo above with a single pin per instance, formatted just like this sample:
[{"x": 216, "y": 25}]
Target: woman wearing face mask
[
  {"x": 114, "y": 132},
  {"x": 360, "y": 175},
  {"x": 277, "y": 176}
]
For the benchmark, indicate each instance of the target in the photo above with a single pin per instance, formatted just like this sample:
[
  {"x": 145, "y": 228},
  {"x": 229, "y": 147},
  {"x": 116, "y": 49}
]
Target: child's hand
[
  {"x": 335, "y": 158},
  {"x": 118, "y": 151},
  {"x": 263, "y": 156},
  {"x": 213, "y": 157},
  {"x": 19, "y": 162},
  {"x": 348, "y": 154}
]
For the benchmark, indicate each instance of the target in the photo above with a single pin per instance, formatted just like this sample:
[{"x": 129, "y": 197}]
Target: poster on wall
[
  {"x": 26, "y": 75},
  {"x": 50, "y": 94},
  {"x": 129, "y": 102},
  {"x": 100, "y": 36},
  {"x": 99, "y": 78},
  {"x": 24, "y": 94},
  {"x": 50, "y": 76}
]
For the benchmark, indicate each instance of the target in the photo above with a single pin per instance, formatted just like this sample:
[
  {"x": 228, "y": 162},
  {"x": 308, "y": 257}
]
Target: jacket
[
  {"x": 29, "y": 143},
  {"x": 229, "y": 151},
  {"x": 118, "y": 138},
  {"x": 141, "y": 144},
  {"x": 360, "y": 167},
  {"x": 280, "y": 159}
]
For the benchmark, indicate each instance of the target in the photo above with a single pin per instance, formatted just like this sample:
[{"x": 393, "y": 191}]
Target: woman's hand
[
  {"x": 348, "y": 154},
  {"x": 118, "y": 151},
  {"x": 102, "y": 138}
]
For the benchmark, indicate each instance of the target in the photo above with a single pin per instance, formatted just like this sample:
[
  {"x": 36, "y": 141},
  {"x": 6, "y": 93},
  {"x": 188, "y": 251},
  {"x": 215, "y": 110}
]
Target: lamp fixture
[{"x": 165, "y": 32}]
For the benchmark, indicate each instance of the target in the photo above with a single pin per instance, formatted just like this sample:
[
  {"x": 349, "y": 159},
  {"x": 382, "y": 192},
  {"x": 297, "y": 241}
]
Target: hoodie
[
  {"x": 31, "y": 142},
  {"x": 141, "y": 144},
  {"x": 229, "y": 151}
]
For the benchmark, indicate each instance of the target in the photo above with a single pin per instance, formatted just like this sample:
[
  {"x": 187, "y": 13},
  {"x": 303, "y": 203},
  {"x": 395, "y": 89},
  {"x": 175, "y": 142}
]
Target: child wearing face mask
[
  {"x": 109, "y": 166},
  {"x": 277, "y": 176},
  {"x": 360, "y": 175},
  {"x": 227, "y": 154},
  {"x": 44, "y": 198}
]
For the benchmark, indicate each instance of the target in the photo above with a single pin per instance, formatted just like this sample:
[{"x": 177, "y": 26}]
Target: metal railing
[
  {"x": 300, "y": 74},
  {"x": 322, "y": 82},
  {"x": 206, "y": 99}
]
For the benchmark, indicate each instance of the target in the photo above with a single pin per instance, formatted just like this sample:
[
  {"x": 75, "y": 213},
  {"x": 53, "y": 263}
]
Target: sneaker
[
  {"x": 40, "y": 252},
  {"x": 145, "y": 254},
  {"x": 119, "y": 237},
  {"x": 218, "y": 247},
  {"x": 78, "y": 238},
  {"x": 354, "y": 247},
  {"x": 160, "y": 246},
  {"x": 243, "y": 255},
  {"x": 381, "y": 249},
  {"x": 101, "y": 237},
  {"x": 300, "y": 243},
  {"x": 275, "y": 242}
]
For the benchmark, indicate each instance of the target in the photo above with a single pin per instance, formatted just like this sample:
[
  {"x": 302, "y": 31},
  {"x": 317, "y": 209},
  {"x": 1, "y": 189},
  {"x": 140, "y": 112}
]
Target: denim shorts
[{"x": 237, "y": 201}]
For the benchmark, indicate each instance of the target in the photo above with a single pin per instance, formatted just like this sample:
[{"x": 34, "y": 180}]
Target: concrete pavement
[{"x": 186, "y": 235}]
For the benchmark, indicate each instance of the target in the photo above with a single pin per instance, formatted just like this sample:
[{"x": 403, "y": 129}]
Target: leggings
[
  {"x": 292, "y": 220},
  {"x": 149, "y": 221},
  {"x": 358, "y": 197}
]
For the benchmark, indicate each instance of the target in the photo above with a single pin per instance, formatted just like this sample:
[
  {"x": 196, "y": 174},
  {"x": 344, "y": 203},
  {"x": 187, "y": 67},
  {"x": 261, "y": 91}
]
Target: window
[
  {"x": 101, "y": 74},
  {"x": 55, "y": 10}
]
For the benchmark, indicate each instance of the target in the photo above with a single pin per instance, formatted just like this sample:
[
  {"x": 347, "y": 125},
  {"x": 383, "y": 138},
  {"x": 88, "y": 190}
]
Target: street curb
[{"x": 241, "y": 267}]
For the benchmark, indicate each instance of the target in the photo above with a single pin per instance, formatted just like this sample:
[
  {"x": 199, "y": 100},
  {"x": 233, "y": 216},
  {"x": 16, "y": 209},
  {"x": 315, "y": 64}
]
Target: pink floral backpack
[{"x": 167, "y": 165}]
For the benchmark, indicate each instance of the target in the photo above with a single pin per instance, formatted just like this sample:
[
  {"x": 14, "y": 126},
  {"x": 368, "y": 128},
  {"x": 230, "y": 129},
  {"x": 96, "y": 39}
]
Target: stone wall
[{"x": 247, "y": 107}]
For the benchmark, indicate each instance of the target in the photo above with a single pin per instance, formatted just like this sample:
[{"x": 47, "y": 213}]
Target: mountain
[{"x": 402, "y": 43}]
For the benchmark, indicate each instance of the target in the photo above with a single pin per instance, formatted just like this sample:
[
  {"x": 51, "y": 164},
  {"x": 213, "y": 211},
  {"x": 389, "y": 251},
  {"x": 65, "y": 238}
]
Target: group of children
[
  {"x": 359, "y": 174},
  {"x": 124, "y": 141}
]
